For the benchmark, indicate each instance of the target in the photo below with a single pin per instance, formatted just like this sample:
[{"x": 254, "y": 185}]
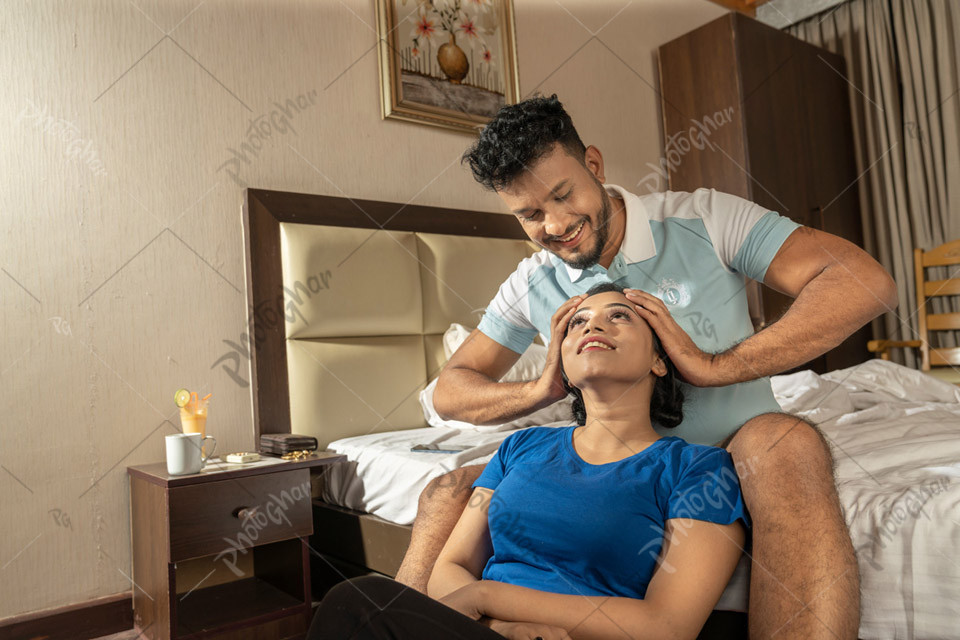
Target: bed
[{"x": 350, "y": 304}]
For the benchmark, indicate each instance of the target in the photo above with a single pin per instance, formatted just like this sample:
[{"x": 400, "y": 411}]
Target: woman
[{"x": 603, "y": 529}]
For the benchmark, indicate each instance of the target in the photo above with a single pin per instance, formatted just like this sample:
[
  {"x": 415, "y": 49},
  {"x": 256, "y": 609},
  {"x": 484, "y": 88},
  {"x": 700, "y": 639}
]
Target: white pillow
[{"x": 528, "y": 367}]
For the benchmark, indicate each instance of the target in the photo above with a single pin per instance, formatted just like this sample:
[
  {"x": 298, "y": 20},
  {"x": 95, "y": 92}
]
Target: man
[{"x": 685, "y": 257}]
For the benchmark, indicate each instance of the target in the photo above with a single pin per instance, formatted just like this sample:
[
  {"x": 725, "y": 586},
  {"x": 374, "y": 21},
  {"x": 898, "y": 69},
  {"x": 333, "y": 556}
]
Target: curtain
[{"x": 903, "y": 67}]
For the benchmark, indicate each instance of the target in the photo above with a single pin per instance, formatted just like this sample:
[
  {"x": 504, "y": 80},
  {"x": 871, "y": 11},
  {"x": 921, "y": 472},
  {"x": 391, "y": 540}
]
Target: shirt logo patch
[{"x": 673, "y": 293}]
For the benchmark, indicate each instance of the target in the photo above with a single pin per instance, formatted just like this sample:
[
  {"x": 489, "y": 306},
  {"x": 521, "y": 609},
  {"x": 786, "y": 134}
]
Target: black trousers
[{"x": 378, "y": 608}]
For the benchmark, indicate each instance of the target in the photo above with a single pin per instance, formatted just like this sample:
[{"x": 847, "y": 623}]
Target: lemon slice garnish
[{"x": 181, "y": 397}]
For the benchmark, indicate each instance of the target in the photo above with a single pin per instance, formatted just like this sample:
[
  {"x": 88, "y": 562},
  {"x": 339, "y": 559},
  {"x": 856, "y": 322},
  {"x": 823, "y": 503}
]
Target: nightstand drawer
[{"x": 228, "y": 515}]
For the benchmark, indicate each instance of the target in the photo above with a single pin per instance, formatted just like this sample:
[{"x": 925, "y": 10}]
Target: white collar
[{"x": 637, "y": 244}]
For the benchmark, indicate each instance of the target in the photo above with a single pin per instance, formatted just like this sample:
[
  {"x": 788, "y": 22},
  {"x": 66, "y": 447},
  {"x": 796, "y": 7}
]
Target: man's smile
[{"x": 572, "y": 238}]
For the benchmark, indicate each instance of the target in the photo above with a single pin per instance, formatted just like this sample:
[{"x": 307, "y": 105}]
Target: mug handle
[{"x": 203, "y": 442}]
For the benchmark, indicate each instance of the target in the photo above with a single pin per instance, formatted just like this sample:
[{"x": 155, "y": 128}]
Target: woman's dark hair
[
  {"x": 518, "y": 136},
  {"x": 666, "y": 403}
]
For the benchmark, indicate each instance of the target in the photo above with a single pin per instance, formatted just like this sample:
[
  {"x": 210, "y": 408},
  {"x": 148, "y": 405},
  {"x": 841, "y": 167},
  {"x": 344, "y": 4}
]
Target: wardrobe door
[
  {"x": 780, "y": 166},
  {"x": 788, "y": 145},
  {"x": 828, "y": 134},
  {"x": 701, "y": 93},
  {"x": 835, "y": 202},
  {"x": 699, "y": 79},
  {"x": 773, "y": 106}
]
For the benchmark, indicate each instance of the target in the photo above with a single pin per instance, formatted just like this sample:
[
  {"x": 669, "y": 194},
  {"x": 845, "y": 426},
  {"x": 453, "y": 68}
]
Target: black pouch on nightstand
[{"x": 280, "y": 444}]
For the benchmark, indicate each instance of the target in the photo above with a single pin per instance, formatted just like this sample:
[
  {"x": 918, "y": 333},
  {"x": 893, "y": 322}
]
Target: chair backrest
[{"x": 945, "y": 255}]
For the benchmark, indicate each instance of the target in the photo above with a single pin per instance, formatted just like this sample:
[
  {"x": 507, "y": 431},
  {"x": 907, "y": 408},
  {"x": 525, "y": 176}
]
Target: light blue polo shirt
[{"x": 691, "y": 250}]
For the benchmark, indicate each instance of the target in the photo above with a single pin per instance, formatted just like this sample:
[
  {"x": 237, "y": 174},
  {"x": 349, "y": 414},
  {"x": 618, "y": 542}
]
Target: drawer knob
[{"x": 244, "y": 512}]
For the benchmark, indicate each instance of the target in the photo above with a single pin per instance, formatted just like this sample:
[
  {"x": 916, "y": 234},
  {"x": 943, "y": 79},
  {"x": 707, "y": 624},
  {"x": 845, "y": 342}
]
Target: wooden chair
[{"x": 940, "y": 363}]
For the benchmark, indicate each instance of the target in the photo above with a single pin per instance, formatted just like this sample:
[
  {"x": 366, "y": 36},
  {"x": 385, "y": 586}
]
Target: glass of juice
[{"x": 193, "y": 416}]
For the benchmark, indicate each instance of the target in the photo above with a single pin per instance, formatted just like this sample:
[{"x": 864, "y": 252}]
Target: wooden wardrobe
[{"x": 752, "y": 111}]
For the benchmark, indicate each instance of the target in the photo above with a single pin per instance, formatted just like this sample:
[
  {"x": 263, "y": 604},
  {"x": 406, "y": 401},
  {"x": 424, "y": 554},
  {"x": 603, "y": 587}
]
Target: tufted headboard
[{"x": 348, "y": 301}]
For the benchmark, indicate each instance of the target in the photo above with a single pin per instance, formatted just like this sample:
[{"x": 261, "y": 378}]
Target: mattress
[
  {"x": 383, "y": 477},
  {"x": 895, "y": 436}
]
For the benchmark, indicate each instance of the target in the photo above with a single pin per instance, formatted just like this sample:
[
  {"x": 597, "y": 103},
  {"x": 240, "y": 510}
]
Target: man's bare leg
[
  {"x": 804, "y": 579},
  {"x": 438, "y": 511}
]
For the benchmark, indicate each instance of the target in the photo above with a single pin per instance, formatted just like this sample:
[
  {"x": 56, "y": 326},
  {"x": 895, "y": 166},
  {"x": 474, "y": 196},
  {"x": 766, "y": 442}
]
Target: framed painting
[{"x": 448, "y": 63}]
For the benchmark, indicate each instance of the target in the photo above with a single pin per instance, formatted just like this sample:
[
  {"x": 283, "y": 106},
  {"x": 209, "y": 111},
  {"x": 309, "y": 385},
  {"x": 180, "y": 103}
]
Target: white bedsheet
[
  {"x": 383, "y": 477},
  {"x": 895, "y": 435}
]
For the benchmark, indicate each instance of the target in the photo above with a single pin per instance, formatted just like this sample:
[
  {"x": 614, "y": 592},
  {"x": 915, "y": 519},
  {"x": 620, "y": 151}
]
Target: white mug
[{"x": 185, "y": 453}]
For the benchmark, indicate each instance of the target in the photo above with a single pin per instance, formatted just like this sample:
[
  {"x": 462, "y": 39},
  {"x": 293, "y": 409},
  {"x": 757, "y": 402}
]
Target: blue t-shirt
[{"x": 563, "y": 525}]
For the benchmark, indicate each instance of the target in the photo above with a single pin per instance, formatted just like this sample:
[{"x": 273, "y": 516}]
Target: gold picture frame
[{"x": 447, "y": 63}]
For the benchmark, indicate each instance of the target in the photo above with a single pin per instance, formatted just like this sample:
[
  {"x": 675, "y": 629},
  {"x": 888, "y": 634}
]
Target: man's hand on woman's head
[
  {"x": 697, "y": 367},
  {"x": 549, "y": 388}
]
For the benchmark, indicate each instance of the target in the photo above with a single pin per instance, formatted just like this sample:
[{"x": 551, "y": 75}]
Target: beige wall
[{"x": 121, "y": 241}]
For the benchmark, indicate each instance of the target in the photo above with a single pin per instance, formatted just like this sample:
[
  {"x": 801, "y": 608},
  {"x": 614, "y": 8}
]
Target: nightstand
[{"x": 223, "y": 553}]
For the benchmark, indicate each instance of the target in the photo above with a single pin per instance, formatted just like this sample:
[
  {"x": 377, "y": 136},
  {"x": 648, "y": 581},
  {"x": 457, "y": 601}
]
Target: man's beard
[{"x": 587, "y": 260}]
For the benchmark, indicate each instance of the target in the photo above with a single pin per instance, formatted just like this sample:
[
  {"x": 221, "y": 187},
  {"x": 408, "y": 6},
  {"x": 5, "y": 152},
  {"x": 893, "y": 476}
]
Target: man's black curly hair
[
  {"x": 666, "y": 403},
  {"x": 518, "y": 136}
]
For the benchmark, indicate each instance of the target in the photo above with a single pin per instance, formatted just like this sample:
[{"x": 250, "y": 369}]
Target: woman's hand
[
  {"x": 466, "y": 600},
  {"x": 696, "y": 366},
  {"x": 527, "y": 630},
  {"x": 549, "y": 388}
]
